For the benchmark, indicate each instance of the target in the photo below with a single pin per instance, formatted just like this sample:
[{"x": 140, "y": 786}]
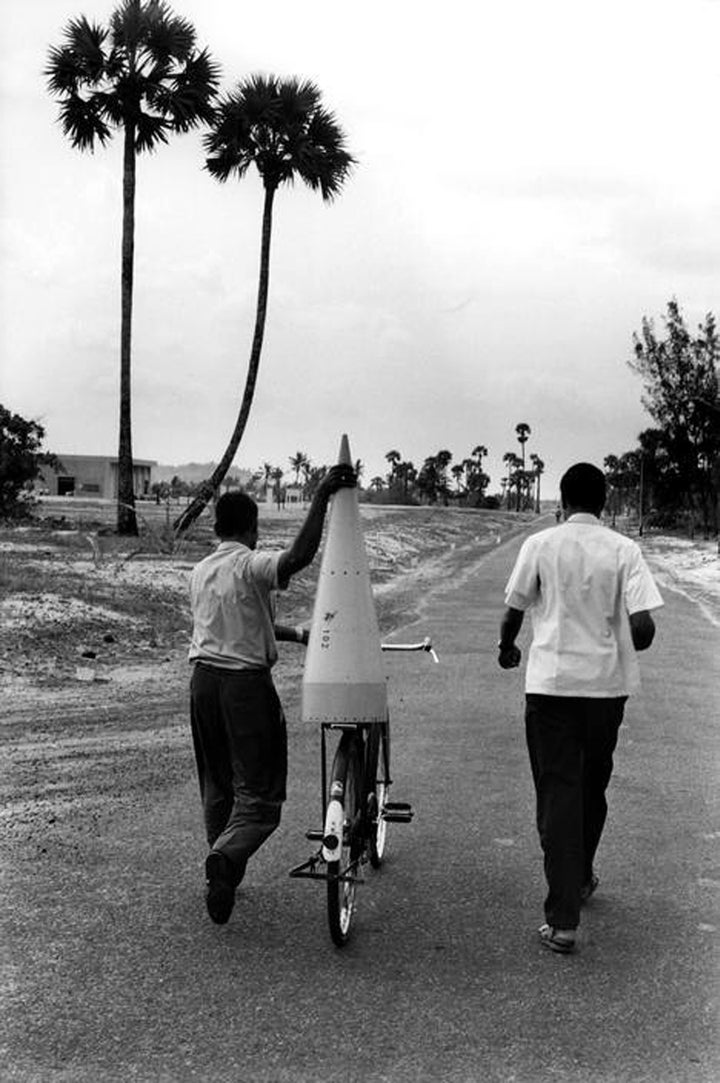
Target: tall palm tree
[
  {"x": 523, "y": 430},
  {"x": 282, "y": 128},
  {"x": 141, "y": 75}
]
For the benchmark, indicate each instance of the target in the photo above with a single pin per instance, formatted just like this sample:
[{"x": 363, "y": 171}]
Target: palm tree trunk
[
  {"x": 126, "y": 519},
  {"x": 208, "y": 488}
]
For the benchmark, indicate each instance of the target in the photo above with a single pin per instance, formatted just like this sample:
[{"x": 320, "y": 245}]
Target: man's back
[
  {"x": 233, "y": 610},
  {"x": 580, "y": 582}
]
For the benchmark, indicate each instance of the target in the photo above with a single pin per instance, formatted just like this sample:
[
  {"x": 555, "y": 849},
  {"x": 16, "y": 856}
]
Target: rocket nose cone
[{"x": 344, "y": 458}]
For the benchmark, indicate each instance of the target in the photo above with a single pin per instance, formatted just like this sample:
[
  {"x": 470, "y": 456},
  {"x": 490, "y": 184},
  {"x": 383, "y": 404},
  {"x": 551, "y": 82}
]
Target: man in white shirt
[
  {"x": 238, "y": 725},
  {"x": 589, "y": 593}
]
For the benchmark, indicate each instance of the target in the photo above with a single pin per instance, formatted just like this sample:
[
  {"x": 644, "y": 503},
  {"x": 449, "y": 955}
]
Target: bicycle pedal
[
  {"x": 397, "y": 806},
  {"x": 315, "y": 836},
  {"x": 396, "y": 817}
]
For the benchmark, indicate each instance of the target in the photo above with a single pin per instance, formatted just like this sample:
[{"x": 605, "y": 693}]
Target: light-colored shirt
[
  {"x": 580, "y": 581},
  {"x": 232, "y": 595}
]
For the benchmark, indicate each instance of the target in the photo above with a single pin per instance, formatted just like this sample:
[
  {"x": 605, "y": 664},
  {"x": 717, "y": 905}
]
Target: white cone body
[{"x": 344, "y": 678}]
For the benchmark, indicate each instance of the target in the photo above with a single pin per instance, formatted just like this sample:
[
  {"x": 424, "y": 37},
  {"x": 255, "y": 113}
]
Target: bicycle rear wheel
[
  {"x": 345, "y": 787},
  {"x": 378, "y": 786}
]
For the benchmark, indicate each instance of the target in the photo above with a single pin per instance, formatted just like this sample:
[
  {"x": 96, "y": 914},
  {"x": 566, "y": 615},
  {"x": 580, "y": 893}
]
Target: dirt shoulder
[{"x": 690, "y": 566}]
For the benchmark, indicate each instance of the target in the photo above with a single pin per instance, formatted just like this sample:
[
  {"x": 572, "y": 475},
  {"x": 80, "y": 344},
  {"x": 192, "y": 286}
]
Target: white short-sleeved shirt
[
  {"x": 232, "y": 595},
  {"x": 580, "y": 581}
]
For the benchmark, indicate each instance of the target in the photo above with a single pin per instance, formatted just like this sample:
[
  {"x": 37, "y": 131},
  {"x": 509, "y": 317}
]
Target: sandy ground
[
  {"x": 75, "y": 613},
  {"x": 691, "y": 567}
]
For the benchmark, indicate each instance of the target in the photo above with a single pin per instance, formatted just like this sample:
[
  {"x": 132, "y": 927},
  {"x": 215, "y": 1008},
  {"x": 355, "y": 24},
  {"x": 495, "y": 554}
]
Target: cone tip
[{"x": 344, "y": 454}]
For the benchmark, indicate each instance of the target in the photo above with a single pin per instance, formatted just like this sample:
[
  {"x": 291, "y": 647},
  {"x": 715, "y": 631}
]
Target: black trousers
[
  {"x": 240, "y": 739},
  {"x": 571, "y": 742}
]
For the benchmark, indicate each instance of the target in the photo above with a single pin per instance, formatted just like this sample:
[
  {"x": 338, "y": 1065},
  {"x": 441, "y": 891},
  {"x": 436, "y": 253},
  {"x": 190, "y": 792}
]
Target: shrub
[{"x": 20, "y": 461}]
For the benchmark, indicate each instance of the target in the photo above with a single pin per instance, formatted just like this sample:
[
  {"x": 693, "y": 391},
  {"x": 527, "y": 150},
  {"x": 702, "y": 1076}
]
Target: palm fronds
[
  {"x": 143, "y": 71},
  {"x": 280, "y": 126}
]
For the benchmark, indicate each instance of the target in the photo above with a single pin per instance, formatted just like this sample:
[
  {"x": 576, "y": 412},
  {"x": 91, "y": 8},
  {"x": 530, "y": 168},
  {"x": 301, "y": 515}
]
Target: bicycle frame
[{"x": 355, "y": 809}]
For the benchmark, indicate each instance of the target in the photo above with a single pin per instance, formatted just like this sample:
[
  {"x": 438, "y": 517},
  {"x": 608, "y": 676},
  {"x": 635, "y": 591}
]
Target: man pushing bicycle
[{"x": 238, "y": 725}]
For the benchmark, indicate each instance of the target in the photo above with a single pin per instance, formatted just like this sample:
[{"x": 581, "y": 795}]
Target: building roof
[{"x": 62, "y": 457}]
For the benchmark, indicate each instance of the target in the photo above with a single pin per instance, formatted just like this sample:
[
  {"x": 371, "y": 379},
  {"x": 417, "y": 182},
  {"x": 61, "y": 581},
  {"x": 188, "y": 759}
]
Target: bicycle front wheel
[{"x": 346, "y": 788}]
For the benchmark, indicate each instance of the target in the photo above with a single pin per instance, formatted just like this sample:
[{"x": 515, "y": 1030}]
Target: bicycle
[{"x": 356, "y": 810}]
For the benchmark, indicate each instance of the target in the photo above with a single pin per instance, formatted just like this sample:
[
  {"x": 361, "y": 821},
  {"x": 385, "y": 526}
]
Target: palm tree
[
  {"x": 281, "y": 127},
  {"x": 523, "y": 431},
  {"x": 477, "y": 479},
  {"x": 442, "y": 462},
  {"x": 142, "y": 75},
  {"x": 408, "y": 473},
  {"x": 306, "y": 473},
  {"x": 514, "y": 476},
  {"x": 427, "y": 479},
  {"x": 267, "y": 474},
  {"x": 277, "y": 476},
  {"x": 298, "y": 462},
  {"x": 538, "y": 470},
  {"x": 393, "y": 457}
]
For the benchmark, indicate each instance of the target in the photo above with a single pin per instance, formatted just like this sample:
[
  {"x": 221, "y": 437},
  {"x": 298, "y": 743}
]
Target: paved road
[{"x": 444, "y": 980}]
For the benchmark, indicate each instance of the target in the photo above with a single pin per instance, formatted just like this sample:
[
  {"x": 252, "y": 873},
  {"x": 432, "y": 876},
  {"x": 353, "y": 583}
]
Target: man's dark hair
[
  {"x": 583, "y": 486},
  {"x": 235, "y": 514}
]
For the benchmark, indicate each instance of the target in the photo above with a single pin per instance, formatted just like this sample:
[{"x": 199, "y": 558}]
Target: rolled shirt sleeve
[
  {"x": 262, "y": 568},
  {"x": 641, "y": 593},
  {"x": 523, "y": 585}
]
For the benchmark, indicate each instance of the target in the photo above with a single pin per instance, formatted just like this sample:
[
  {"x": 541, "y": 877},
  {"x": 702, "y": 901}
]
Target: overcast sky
[{"x": 533, "y": 179}]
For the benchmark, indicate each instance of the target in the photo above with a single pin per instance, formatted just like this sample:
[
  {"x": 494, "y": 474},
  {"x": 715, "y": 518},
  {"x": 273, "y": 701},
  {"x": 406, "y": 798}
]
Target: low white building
[{"x": 92, "y": 476}]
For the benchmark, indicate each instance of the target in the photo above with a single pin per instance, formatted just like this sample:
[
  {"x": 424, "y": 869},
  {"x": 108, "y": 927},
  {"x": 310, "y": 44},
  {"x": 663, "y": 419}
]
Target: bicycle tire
[
  {"x": 345, "y": 785},
  {"x": 377, "y": 774}
]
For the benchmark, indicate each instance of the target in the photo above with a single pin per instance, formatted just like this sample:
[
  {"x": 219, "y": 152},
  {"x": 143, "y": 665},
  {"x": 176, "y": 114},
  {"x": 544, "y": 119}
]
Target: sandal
[{"x": 559, "y": 940}]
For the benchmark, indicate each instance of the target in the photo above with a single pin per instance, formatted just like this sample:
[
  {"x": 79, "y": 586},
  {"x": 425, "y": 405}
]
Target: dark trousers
[
  {"x": 571, "y": 742},
  {"x": 240, "y": 740}
]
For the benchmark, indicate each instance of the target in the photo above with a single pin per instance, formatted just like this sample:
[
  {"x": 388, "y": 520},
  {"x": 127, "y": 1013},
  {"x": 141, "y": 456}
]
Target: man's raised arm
[{"x": 307, "y": 541}]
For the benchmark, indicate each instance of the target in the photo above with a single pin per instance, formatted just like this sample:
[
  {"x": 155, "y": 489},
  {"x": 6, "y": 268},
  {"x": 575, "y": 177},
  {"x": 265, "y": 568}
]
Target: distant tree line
[
  {"x": 672, "y": 478},
  {"x": 440, "y": 480}
]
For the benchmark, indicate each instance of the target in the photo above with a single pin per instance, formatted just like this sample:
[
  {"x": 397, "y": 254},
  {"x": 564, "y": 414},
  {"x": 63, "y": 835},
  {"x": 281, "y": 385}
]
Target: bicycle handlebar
[{"x": 425, "y": 645}]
